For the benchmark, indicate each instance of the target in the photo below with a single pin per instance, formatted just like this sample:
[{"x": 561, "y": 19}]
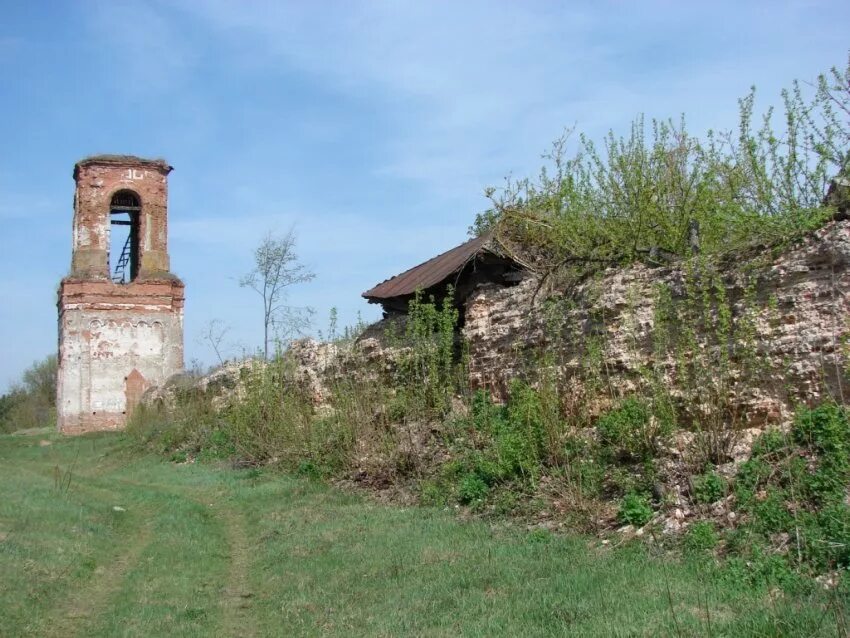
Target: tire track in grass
[
  {"x": 236, "y": 595},
  {"x": 87, "y": 596},
  {"x": 85, "y": 605},
  {"x": 236, "y": 601},
  {"x": 79, "y": 612}
]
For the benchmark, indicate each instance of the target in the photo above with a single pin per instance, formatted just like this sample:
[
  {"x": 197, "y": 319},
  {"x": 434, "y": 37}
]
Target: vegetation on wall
[{"x": 661, "y": 192}]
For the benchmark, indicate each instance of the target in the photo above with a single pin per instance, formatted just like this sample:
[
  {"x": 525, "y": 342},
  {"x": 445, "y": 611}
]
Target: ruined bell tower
[{"x": 120, "y": 308}]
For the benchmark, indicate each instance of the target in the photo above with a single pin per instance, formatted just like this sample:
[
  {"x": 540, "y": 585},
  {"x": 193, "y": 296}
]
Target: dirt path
[
  {"x": 84, "y": 606},
  {"x": 237, "y": 594},
  {"x": 78, "y": 613}
]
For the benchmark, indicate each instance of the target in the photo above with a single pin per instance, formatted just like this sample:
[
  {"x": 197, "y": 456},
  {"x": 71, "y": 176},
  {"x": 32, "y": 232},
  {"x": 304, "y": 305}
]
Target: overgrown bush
[
  {"x": 796, "y": 486},
  {"x": 667, "y": 194},
  {"x": 708, "y": 488},
  {"x": 426, "y": 374},
  {"x": 630, "y": 431},
  {"x": 635, "y": 509},
  {"x": 472, "y": 488},
  {"x": 190, "y": 427},
  {"x": 274, "y": 419},
  {"x": 700, "y": 538}
]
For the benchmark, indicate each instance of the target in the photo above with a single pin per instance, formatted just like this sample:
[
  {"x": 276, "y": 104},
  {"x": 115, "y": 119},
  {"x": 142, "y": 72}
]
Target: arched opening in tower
[{"x": 124, "y": 216}]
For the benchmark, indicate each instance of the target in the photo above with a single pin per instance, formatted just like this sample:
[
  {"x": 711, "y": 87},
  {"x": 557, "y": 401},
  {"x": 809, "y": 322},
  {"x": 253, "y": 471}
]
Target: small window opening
[{"x": 124, "y": 214}]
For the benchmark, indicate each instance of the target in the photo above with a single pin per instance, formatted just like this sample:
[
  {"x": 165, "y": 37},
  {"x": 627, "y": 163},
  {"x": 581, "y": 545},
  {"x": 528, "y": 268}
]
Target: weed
[
  {"x": 539, "y": 535},
  {"x": 309, "y": 469},
  {"x": 793, "y": 488},
  {"x": 629, "y": 431},
  {"x": 634, "y": 510},
  {"x": 426, "y": 372},
  {"x": 434, "y": 492},
  {"x": 472, "y": 489},
  {"x": 708, "y": 488},
  {"x": 700, "y": 538}
]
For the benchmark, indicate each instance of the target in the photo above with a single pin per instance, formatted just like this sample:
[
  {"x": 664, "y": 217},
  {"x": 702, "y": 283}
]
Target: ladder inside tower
[
  {"x": 125, "y": 210},
  {"x": 124, "y": 233},
  {"x": 121, "y": 275}
]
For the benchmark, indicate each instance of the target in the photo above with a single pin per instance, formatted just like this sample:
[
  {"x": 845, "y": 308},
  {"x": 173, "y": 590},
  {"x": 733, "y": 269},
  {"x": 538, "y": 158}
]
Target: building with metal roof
[{"x": 464, "y": 267}]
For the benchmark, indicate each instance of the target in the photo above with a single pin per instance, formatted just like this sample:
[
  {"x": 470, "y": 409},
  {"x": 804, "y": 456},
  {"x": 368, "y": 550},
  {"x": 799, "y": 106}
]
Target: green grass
[{"x": 206, "y": 551}]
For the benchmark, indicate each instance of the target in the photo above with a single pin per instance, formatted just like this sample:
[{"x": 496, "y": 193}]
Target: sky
[{"x": 371, "y": 128}]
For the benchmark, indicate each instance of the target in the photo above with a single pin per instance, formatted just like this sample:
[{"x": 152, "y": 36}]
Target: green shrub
[
  {"x": 833, "y": 522},
  {"x": 471, "y": 489},
  {"x": 700, "y": 538},
  {"x": 795, "y": 487},
  {"x": 485, "y": 414},
  {"x": 582, "y": 466},
  {"x": 635, "y": 510},
  {"x": 434, "y": 492},
  {"x": 516, "y": 455},
  {"x": 771, "y": 513},
  {"x": 825, "y": 431},
  {"x": 186, "y": 426},
  {"x": 760, "y": 567},
  {"x": 771, "y": 442},
  {"x": 505, "y": 502},
  {"x": 426, "y": 375},
  {"x": 618, "y": 199},
  {"x": 219, "y": 445},
  {"x": 513, "y": 435},
  {"x": 588, "y": 474},
  {"x": 525, "y": 416},
  {"x": 309, "y": 469},
  {"x": 630, "y": 432},
  {"x": 708, "y": 488},
  {"x": 490, "y": 470},
  {"x": 750, "y": 476}
]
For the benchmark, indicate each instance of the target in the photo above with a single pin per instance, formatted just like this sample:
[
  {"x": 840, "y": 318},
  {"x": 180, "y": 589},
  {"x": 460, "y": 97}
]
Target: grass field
[{"x": 97, "y": 540}]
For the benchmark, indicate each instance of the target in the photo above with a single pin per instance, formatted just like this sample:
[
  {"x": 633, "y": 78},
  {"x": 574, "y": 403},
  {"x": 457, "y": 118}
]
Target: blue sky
[{"x": 372, "y": 127}]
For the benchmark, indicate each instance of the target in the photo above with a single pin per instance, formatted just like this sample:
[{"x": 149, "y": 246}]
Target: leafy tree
[
  {"x": 276, "y": 268},
  {"x": 31, "y": 402}
]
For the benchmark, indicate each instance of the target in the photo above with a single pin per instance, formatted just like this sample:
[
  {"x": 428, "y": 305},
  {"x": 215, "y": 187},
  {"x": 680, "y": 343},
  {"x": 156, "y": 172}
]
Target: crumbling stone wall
[
  {"x": 801, "y": 338},
  {"x": 116, "y": 340}
]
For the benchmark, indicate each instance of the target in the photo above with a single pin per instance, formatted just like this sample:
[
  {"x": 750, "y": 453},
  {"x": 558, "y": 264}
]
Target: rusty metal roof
[{"x": 428, "y": 273}]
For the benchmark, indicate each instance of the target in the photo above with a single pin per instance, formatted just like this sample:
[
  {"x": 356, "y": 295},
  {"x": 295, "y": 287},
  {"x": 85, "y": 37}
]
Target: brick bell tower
[{"x": 120, "y": 308}]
